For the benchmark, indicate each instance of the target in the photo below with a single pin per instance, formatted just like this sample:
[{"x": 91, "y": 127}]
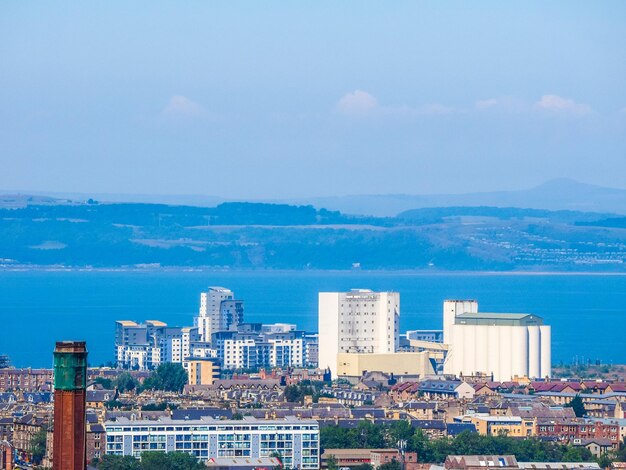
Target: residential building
[
  {"x": 374, "y": 457},
  {"x": 219, "y": 311},
  {"x": 503, "y": 346},
  {"x": 359, "y": 321},
  {"x": 202, "y": 370},
  {"x": 479, "y": 462},
  {"x": 296, "y": 440},
  {"x": 254, "y": 346},
  {"x": 26, "y": 380},
  {"x": 143, "y": 346},
  {"x": 445, "y": 390}
]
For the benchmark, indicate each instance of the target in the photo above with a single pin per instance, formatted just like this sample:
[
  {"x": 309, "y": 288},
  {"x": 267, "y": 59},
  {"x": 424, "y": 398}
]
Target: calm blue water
[{"x": 587, "y": 313}]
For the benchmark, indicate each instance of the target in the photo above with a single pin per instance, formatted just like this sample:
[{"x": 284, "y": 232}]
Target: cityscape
[
  {"x": 241, "y": 235},
  {"x": 233, "y": 394}
]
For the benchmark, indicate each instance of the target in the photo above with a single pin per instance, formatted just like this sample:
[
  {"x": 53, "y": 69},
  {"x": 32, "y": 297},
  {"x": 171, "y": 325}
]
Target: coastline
[{"x": 394, "y": 272}]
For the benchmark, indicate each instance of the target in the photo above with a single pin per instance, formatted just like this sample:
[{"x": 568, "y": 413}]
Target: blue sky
[{"x": 295, "y": 99}]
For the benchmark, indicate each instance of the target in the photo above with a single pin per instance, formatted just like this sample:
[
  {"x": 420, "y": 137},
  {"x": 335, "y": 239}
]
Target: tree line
[{"x": 367, "y": 435}]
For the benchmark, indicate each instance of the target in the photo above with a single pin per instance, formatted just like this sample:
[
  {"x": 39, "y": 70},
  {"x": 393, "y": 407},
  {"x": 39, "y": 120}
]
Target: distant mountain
[
  {"x": 38, "y": 197},
  {"x": 557, "y": 194}
]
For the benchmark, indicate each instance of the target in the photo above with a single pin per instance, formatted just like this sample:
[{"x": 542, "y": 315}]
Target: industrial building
[
  {"x": 501, "y": 345},
  {"x": 359, "y": 321},
  {"x": 400, "y": 364},
  {"x": 70, "y": 385}
]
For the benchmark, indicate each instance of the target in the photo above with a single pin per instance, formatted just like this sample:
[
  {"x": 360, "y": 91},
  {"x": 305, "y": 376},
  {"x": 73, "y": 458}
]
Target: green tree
[
  {"x": 118, "y": 462},
  {"x": 169, "y": 461},
  {"x": 331, "y": 462},
  {"x": 276, "y": 455},
  {"x": 168, "y": 376},
  {"x": 604, "y": 461},
  {"x": 620, "y": 454},
  {"x": 397, "y": 431},
  {"x": 393, "y": 465},
  {"x": 107, "y": 384},
  {"x": 125, "y": 382},
  {"x": 578, "y": 406},
  {"x": 368, "y": 435},
  {"x": 38, "y": 445}
]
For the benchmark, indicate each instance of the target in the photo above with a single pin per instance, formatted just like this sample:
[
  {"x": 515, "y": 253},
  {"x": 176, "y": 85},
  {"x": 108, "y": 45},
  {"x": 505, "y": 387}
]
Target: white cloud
[
  {"x": 486, "y": 104},
  {"x": 361, "y": 103},
  {"x": 558, "y": 104},
  {"x": 182, "y": 107},
  {"x": 437, "y": 109},
  {"x": 509, "y": 104},
  {"x": 357, "y": 103}
]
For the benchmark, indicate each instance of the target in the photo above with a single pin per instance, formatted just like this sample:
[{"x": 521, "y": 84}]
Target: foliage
[
  {"x": 296, "y": 393},
  {"x": 38, "y": 445},
  {"x": 159, "y": 406},
  {"x": 111, "y": 404},
  {"x": 270, "y": 236},
  {"x": 125, "y": 382},
  {"x": 170, "y": 461},
  {"x": 367, "y": 435},
  {"x": 620, "y": 454},
  {"x": 276, "y": 455},
  {"x": 604, "y": 461},
  {"x": 331, "y": 462},
  {"x": 578, "y": 406},
  {"x": 118, "y": 462},
  {"x": 107, "y": 384},
  {"x": 393, "y": 465},
  {"x": 168, "y": 376},
  {"x": 151, "y": 461}
]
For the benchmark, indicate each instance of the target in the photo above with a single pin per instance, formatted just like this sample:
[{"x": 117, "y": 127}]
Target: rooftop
[{"x": 504, "y": 319}]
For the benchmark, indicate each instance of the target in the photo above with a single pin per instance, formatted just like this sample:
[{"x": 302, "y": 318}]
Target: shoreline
[{"x": 394, "y": 272}]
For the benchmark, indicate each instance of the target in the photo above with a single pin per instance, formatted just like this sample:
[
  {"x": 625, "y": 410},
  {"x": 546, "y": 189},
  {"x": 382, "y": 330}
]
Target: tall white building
[
  {"x": 505, "y": 345},
  {"x": 219, "y": 311},
  {"x": 359, "y": 321}
]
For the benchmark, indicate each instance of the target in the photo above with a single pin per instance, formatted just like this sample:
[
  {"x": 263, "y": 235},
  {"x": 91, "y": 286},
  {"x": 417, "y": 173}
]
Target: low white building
[{"x": 296, "y": 440}]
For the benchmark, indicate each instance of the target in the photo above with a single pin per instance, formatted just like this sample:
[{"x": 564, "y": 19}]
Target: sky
[{"x": 270, "y": 100}]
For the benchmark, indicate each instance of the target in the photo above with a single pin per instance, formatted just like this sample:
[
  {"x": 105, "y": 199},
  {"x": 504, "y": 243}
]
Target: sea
[{"x": 38, "y": 307}]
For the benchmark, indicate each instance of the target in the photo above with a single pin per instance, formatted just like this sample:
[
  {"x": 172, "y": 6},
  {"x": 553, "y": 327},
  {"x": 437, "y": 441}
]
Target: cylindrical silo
[
  {"x": 534, "y": 352},
  {"x": 506, "y": 356},
  {"x": 519, "y": 351},
  {"x": 546, "y": 351}
]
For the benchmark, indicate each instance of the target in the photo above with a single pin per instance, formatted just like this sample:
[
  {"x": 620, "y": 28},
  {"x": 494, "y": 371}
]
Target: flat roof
[
  {"x": 204, "y": 420},
  {"x": 510, "y": 319}
]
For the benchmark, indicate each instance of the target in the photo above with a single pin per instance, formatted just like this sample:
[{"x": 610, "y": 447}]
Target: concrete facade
[
  {"x": 359, "y": 321},
  {"x": 399, "y": 364},
  {"x": 502, "y": 345}
]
